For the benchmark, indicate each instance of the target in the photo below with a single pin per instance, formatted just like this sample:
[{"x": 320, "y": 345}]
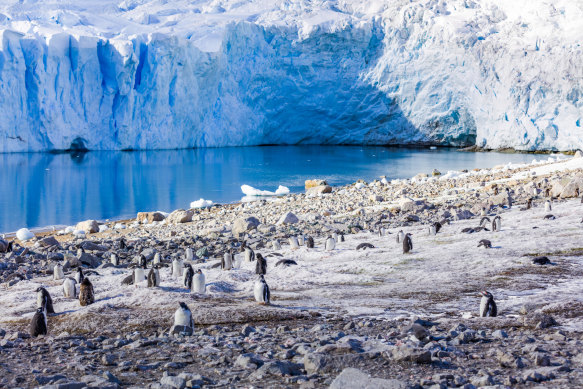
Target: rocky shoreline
[{"x": 402, "y": 320}]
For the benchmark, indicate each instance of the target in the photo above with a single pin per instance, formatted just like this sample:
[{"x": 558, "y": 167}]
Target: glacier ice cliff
[{"x": 149, "y": 74}]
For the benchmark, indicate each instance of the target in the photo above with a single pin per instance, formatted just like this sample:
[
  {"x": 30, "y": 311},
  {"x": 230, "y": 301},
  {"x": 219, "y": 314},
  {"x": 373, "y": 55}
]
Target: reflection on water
[{"x": 46, "y": 189}]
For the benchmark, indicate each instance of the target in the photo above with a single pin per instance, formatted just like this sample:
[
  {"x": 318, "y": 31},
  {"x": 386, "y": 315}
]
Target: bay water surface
[{"x": 43, "y": 189}]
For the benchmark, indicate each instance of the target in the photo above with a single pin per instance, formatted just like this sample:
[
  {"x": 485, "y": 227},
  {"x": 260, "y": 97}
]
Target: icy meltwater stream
[{"x": 40, "y": 189}]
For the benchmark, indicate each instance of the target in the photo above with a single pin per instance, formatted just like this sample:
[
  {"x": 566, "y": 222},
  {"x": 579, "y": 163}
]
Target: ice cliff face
[{"x": 147, "y": 74}]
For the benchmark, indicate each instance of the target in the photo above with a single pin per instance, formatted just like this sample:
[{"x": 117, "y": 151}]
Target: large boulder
[
  {"x": 180, "y": 216},
  {"x": 558, "y": 185},
  {"x": 313, "y": 183},
  {"x": 320, "y": 189},
  {"x": 288, "y": 218},
  {"x": 574, "y": 188},
  {"x": 150, "y": 217},
  {"x": 351, "y": 378},
  {"x": 89, "y": 260},
  {"x": 89, "y": 226},
  {"x": 245, "y": 224},
  {"x": 49, "y": 241}
]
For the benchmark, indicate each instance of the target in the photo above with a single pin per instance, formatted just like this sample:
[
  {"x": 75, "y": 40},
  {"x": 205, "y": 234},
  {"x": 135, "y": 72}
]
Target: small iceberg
[
  {"x": 251, "y": 191},
  {"x": 201, "y": 203},
  {"x": 24, "y": 234}
]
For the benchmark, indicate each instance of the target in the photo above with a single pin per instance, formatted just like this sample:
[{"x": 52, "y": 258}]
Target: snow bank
[{"x": 250, "y": 191}]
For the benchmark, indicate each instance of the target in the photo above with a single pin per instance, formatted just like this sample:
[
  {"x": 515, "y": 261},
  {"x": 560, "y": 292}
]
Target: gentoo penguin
[
  {"x": 261, "y": 291},
  {"x": 114, "y": 260},
  {"x": 122, "y": 244},
  {"x": 549, "y": 217},
  {"x": 382, "y": 231},
  {"x": 342, "y": 236},
  {"x": 58, "y": 272},
  {"x": 548, "y": 206},
  {"x": 310, "y": 242},
  {"x": 484, "y": 220},
  {"x": 183, "y": 316},
  {"x": 407, "y": 243},
  {"x": 153, "y": 277},
  {"x": 176, "y": 268},
  {"x": 487, "y": 305},
  {"x": 249, "y": 254},
  {"x": 293, "y": 242},
  {"x": 400, "y": 236},
  {"x": 286, "y": 262},
  {"x": 43, "y": 296},
  {"x": 187, "y": 276},
  {"x": 276, "y": 245},
  {"x": 335, "y": 237},
  {"x": 529, "y": 203},
  {"x": 261, "y": 266},
  {"x": 227, "y": 262},
  {"x": 509, "y": 197},
  {"x": 140, "y": 271},
  {"x": 198, "y": 283},
  {"x": 69, "y": 290},
  {"x": 129, "y": 280},
  {"x": 541, "y": 260},
  {"x": 301, "y": 240},
  {"x": 330, "y": 243},
  {"x": 156, "y": 259},
  {"x": 38, "y": 324},
  {"x": 486, "y": 243},
  {"x": 86, "y": 296},
  {"x": 189, "y": 254},
  {"x": 79, "y": 275},
  {"x": 364, "y": 246},
  {"x": 497, "y": 223},
  {"x": 432, "y": 230}
]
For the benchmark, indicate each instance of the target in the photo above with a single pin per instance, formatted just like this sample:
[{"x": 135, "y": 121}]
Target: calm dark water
[{"x": 39, "y": 189}]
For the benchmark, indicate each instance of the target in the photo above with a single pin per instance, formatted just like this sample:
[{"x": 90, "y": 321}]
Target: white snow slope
[{"x": 149, "y": 74}]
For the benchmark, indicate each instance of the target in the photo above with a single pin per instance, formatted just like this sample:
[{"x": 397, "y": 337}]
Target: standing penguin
[
  {"x": 342, "y": 237},
  {"x": 330, "y": 243},
  {"x": 227, "y": 262},
  {"x": 497, "y": 223},
  {"x": 38, "y": 324},
  {"x": 261, "y": 266},
  {"x": 293, "y": 242},
  {"x": 183, "y": 316},
  {"x": 140, "y": 271},
  {"x": 487, "y": 305},
  {"x": 261, "y": 291},
  {"x": 276, "y": 245},
  {"x": 310, "y": 242},
  {"x": 400, "y": 236},
  {"x": 407, "y": 243},
  {"x": 79, "y": 275},
  {"x": 43, "y": 297},
  {"x": 153, "y": 277},
  {"x": 58, "y": 272},
  {"x": 189, "y": 254},
  {"x": 249, "y": 254},
  {"x": 301, "y": 240},
  {"x": 122, "y": 244},
  {"x": 176, "y": 268},
  {"x": 86, "y": 296},
  {"x": 69, "y": 289},
  {"x": 156, "y": 258},
  {"x": 548, "y": 206},
  {"x": 198, "y": 283},
  {"x": 114, "y": 259},
  {"x": 335, "y": 237},
  {"x": 187, "y": 278}
]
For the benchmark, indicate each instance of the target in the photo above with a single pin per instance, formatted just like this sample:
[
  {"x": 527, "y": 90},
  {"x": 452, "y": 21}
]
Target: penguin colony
[{"x": 194, "y": 281}]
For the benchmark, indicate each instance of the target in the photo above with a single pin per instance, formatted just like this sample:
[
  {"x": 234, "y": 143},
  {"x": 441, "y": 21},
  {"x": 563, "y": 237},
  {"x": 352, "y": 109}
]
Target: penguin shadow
[{"x": 174, "y": 289}]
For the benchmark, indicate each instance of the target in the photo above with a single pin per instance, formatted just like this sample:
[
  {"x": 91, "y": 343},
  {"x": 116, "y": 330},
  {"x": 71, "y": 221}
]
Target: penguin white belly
[
  {"x": 78, "y": 277},
  {"x": 156, "y": 258},
  {"x": 189, "y": 254},
  {"x": 330, "y": 244},
  {"x": 182, "y": 318},
  {"x": 113, "y": 259},
  {"x": 157, "y": 277},
  {"x": 185, "y": 278},
  {"x": 293, "y": 242},
  {"x": 58, "y": 273},
  {"x": 39, "y": 299},
  {"x": 432, "y": 230},
  {"x": 69, "y": 288},
  {"x": 176, "y": 268},
  {"x": 301, "y": 240},
  {"x": 198, "y": 283},
  {"x": 249, "y": 255},
  {"x": 484, "y": 307},
  {"x": 400, "y": 236},
  {"x": 139, "y": 275},
  {"x": 276, "y": 245},
  {"x": 259, "y": 291},
  {"x": 335, "y": 237},
  {"x": 548, "y": 206}
]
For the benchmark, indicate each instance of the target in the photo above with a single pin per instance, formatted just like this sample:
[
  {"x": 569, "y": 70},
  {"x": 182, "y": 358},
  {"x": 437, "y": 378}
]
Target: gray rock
[
  {"x": 173, "y": 382},
  {"x": 49, "y": 241},
  {"x": 89, "y": 260},
  {"x": 202, "y": 252},
  {"x": 180, "y": 216},
  {"x": 351, "y": 378},
  {"x": 541, "y": 359},
  {"x": 43, "y": 380},
  {"x": 149, "y": 253},
  {"x": 249, "y": 361},
  {"x": 482, "y": 380},
  {"x": 108, "y": 359},
  {"x": 68, "y": 385},
  {"x": 411, "y": 354},
  {"x": 92, "y": 246},
  {"x": 243, "y": 225},
  {"x": 247, "y": 329},
  {"x": 499, "y": 334},
  {"x": 320, "y": 189},
  {"x": 149, "y": 217},
  {"x": 288, "y": 218},
  {"x": 315, "y": 362},
  {"x": 181, "y": 330},
  {"x": 279, "y": 368}
]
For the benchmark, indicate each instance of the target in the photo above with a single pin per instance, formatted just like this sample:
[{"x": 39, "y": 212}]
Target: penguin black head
[
  {"x": 259, "y": 256},
  {"x": 143, "y": 261},
  {"x": 184, "y": 306},
  {"x": 198, "y": 271},
  {"x": 261, "y": 278},
  {"x": 40, "y": 289},
  {"x": 9, "y": 249},
  {"x": 487, "y": 294},
  {"x": 86, "y": 282}
]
